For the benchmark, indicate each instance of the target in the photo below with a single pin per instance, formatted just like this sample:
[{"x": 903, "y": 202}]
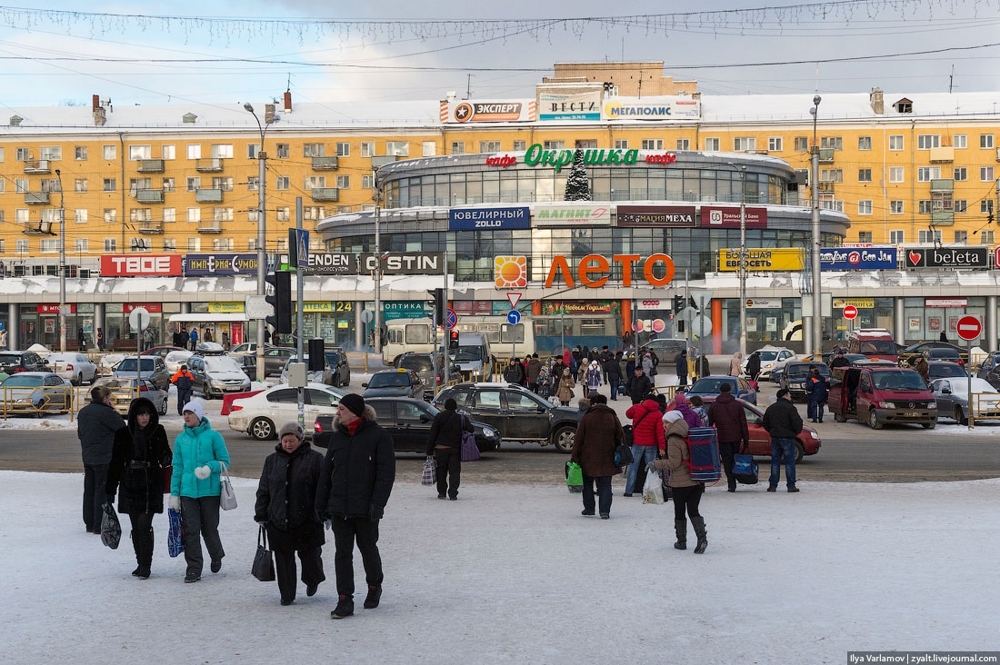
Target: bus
[
  {"x": 556, "y": 332},
  {"x": 403, "y": 335}
]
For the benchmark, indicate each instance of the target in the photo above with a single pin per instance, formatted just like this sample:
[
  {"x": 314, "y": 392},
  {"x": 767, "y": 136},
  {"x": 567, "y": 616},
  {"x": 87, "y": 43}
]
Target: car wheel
[
  {"x": 800, "y": 451},
  {"x": 79, "y": 380},
  {"x": 930, "y": 425},
  {"x": 840, "y": 417},
  {"x": 873, "y": 420},
  {"x": 262, "y": 429},
  {"x": 163, "y": 408},
  {"x": 960, "y": 417},
  {"x": 563, "y": 439}
]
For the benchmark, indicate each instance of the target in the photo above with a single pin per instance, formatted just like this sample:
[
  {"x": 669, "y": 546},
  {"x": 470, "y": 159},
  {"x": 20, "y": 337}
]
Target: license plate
[{"x": 911, "y": 414}]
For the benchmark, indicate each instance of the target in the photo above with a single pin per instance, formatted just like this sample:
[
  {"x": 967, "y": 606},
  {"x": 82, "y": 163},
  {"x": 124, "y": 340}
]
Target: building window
[
  {"x": 21, "y": 215},
  {"x": 961, "y": 141},
  {"x": 21, "y": 246},
  {"x": 864, "y": 143},
  {"x": 961, "y": 174},
  {"x": 743, "y": 143},
  {"x": 253, "y": 149},
  {"x": 313, "y": 213},
  {"x": 834, "y": 142},
  {"x": 80, "y": 245},
  {"x": 367, "y": 148},
  {"x": 520, "y": 146},
  {"x": 489, "y": 146},
  {"x": 586, "y": 144},
  {"x": 864, "y": 236},
  {"x": 927, "y": 237},
  {"x": 282, "y": 150},
  {"x": 194, "y": 151},
  {"x": 80, "y": 215},
  {"x": 137, "y": 152},
  {"x": 397, "y": 148},
  {"x": 50, "y": 245},
  {"x": 281, "y": 213},
  {"x": 774, "y": 144},
  {"x": 193, "y": 183},
  {"x": 928, "y": 141},
  {"x": 428, "y": 148},
  {"x": 343, "y": 150},
  {"x": 225, "y": 183},
  {"x": 961, "y": 205},
  {"x": 194, "y": 214},
  {"x": 986, "y": 237},
  {"x": 986, "y": 206},
  {"x": 554, "y": 145},
  {"x": 801, "y": 144},
  {"x": 865, "y": 207},
  {"x": 80, "y": 185},
  {"x": 312, "y": 181},
  {"x": 194, "y": 244},
  {"x": 986, "y": 173},
  {"x": 961, "y": 237},
  {"x": 313, "y": 149},
  {"x": 141, "y": 245},
  {"x": 897, "y": 174},
  {"x": 168, "y": 184},
  {"x": 253, "y": 183},
  {"x": 683, "y": 144},
  {"x": 109, "y": 151},
  {"x": 222, "y": 151},
  {"x": 22, "y": 154},
  {"x": 80, "y": 153},
  {"x": 222, "y": 214},
  {"x": 895, "y": 207},
  {"x": 367, "y": 182},
  {"x": 896, "y": 142},
  {"x": 924, "y": 206},
  {"x": 986, "y": 141},
  {"x": 928, "y": 173},
  {"x": 169, "y": 215},
  {"x": 281, "y": 183},
  {"x": 712, "y": 144},
  {"x": 621, "y": 144},
  {"x": 864, "y": 175},
  {"x": 897, "y": 237},
  {"x": 652, "y": 144},
  {"x": 222, "y": 244},
  {"x": 343, "y": 182},
  {"x": 21, "y": 185},
  {"x": 169, "y": 245},
  {"x": 168, "y": 152},
  {"x": 110, "y": 245},
  {"x": 831, "y": 175},
  {"x": 110, "y": 185},
  {"x": 458, "y": 147},
  {"x": 110, "y": 215}
]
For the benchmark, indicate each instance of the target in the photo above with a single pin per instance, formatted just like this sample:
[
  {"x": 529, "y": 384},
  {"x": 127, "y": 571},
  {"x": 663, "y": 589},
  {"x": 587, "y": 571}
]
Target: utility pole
[
  {"x": 62, "y": 267},
  {"x": 817, "y": 324}
]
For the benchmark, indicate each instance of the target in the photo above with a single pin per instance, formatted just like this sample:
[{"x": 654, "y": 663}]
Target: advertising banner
[
  {"x": 569, "y": 106},
  {"x": 471, "y": 219},
  {"x": 947, "y": 257},
  {"x": 764, "y": 260},
  {"x": 651, "y": 108},
  {"x": 858, "y": 258},
  {"x": 662, "y": 216},
  {"x": 728, "y": 217},
  {"x": 572, "y": 214},
  {"x": 145, "y": 265},
  {"x": 200, "y": 265},
  {"x": 464, "y": 111}
]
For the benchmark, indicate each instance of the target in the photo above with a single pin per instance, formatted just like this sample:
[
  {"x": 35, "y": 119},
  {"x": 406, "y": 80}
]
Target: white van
[{"x": 473, "y": 356}]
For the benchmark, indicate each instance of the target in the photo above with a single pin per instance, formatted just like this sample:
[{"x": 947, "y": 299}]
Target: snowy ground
[{"x": 514, "y": 574}]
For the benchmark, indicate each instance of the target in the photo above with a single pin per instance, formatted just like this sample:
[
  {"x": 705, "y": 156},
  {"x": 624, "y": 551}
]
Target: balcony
[
  {"x": 211, "y": 165},
  {"x": 324, "y": 163},
  {"x": 942, "y": 218},
  {"x": 942, "y": 185},
  {"x": 36, "y": 166},
  {"x": 150, "y": 166},
  {"x": 151, "y": 226},
  {"x": 210, "y": 226},
  {"x": 826, "y": 155},
  {"x": 826, "y": 186},
  {"x": 942, "y": 155},
  {"x": 325, "y": 194},
  {"x": 208, "y": 195},
  {"x": 35, "y": 198},
  {"x": 38, "y": 228},
  {"x": 149, "y": 195}
]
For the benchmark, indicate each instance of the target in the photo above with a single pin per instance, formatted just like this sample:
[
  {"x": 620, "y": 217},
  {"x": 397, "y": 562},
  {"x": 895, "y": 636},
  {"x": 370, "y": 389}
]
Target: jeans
[
  {"x": 815, "y": 410},
  {"x": 200, "y": 519},
  {"x": 614, "y": 389},
  {"x": 347, "y": 530},
  {"x": 642, "y": 455},
  {"x": 95, "y": 477},
  {"x": 782, "y": 448},
  {"x": 449, "y": 468},
  {"x": 603, "y": 494}
]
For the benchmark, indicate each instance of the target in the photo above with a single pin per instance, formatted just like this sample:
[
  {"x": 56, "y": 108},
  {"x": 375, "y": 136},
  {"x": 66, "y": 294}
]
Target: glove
[
  {"x": 328, "y": 524},
  {"x": 203, "y": 472},
  {"x": 174, "y": 503},
  {"x": 259, "y": 519},
  {"x": 375, "y": 512}
]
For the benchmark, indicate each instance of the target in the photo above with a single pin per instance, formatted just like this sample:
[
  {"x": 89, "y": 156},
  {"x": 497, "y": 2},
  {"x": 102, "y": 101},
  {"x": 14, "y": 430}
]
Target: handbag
[
  {"x": 175, "y": 534},
  {"x": 111, "y": 528},
  {"x": 745, "y": 469},
  {"x": 429, "y": 474},
  {"x": 168, "y": 472},
  {"x": 263, "y": 561},
  {"x": 470, "y": 451},
  {"x": 623, "y": 455},
  {"x": 227, "y": 497}
]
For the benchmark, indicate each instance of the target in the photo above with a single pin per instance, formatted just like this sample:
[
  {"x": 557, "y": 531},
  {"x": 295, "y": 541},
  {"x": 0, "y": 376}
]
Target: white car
[
  {"x": 261, "y": 415},
  {"x": 175, "y": 359},
  {"x": 770, "y": 358},
  {"x": 76, "y": 368}
]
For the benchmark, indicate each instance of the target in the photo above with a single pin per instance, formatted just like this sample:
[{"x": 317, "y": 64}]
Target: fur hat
[
  {"x": 354, "y": 403},
  {"x": 290, "y": 428},
  {"x": 782, "y": 393},
  {"x": 197, "y": 408}
]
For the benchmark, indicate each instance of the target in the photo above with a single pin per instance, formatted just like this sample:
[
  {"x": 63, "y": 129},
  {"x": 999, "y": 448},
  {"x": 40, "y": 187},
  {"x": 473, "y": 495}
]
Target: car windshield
[
  {"x": 467, "y": 353},
  {"x": 804, "y": 370},
  {"x": 20, "y": 380},
  {"x": 878, "y": 347},
  {"x": 10, "y": 359},
  {"x": 417, "y": 363},
  {"x": 945, "y": 370},
  {"x": 389, "y": 380},
  {"x": 128, "y": 365},
  {"x": 222, "y": 364},
  {"x": 710, "y": 386},
  {"x": 767, "y": 356},
  {"x": 899, "y": 381}
]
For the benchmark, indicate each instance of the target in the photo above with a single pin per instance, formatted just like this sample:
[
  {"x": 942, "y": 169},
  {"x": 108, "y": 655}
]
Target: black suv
[
  {"x": 421, "y": 364},
  {"x": 519, "y": 415},
  {"x": 12, "y": 362}
]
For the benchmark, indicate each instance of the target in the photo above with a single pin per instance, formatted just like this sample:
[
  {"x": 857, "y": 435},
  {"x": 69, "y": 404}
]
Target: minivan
[
  {"x": 876, "y": 343},
  {"x": 881, "y": 395},
  {"x": 473, "y": 356}
]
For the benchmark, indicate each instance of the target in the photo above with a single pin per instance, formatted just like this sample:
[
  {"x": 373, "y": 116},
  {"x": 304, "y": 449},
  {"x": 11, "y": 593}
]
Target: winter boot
[
  {"x": 681, "y": 529},
  {"x": 374, "y": 594},
  {"x": 137, "y": 546},
  {"x": 699, "y": 528},
  {"x": 345, "y": 608},
  {"x": 146, "y": 558}
]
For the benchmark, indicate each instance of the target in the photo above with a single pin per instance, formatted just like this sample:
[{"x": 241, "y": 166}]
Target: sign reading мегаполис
[{"x": 858, "y": 258}]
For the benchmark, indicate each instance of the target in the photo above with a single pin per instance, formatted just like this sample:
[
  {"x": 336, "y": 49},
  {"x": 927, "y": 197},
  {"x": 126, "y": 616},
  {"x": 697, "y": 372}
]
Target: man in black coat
[
  {"x": 681, "y": 363},
  {"x": 358, "y": 473},
  {"x": 753, "y": 365},
  {"x": 445, "y": 444},
  {"x": 783, "y": 422},
  {"x": 641, "y": 386},
  {"x": 96, "y": 425},
  {"x": 613, "y": 375},
  {"x": 730, "y": 421}
]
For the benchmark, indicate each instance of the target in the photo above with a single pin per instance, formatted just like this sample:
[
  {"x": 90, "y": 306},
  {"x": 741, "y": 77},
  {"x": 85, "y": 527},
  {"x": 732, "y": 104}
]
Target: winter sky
[{"x": 156, "y": 52}]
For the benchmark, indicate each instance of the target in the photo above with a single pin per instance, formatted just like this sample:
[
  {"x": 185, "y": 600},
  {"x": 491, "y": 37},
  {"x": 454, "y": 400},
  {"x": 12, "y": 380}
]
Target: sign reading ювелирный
[
  {"x": 947, "y": 257},
  {"x": 471, "y": 219}
]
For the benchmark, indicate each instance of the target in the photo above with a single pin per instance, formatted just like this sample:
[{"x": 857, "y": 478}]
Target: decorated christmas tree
[{"x": 578, "y": 185}]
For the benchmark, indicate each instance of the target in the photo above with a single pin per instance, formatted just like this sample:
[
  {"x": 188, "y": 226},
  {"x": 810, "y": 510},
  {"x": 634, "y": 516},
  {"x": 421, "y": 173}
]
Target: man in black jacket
[
  {"x": 613, "y": 375},
  {"x": 357, "y": 478},
  {"x": 96, "y": 425},
  {"x": 730, "y": 421},
  {"x": 783, "y": 422},
  {"x": 641, "y": 386},
  {"x": 445, "y": 444}
]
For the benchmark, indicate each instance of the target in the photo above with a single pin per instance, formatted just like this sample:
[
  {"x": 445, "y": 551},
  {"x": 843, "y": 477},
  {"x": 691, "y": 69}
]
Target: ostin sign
[{"x": 594, "y": 270}]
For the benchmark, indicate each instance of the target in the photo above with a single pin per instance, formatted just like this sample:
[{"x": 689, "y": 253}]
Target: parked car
[
  {"x": 908, "y": 356},
  {"x": 421, "y": 364},
  {"x": 939, "y": 369},
  {"x": 409, "y": 421},
  {"x": 952, "y": 395},
  {"x": 796, "y": 374},
  {"x": 770, "y": 357},
  {"x": 990, "y": 370},
  {"x": 261, "y": 415},
  {"x": 162, "y": 351},
  {"x": 394, "y": 383},
  {"x": 12, "y": 362},
  {"x": 943, "y": 354},
  {"x": 247, "y": 347},
  {"x": 210, "y": 349},
  {"x": 150, "y": 367},
  {"x": 709, "y": 386},
  {"x": 808, "y": 441},
  {"x": 76, "y": 368},
  {"x": 881, "y": 395},
  {"x": 275, "y": 359},
  {"x": 336, "y": 372},
  {"x": 123, "y": 391},
  {"x": 216, "y": 375},
  {"x": 519, "y": 415},
  {"x": 36, "y": 393},
  {"x": 667, "y": 349},
  {"x": 175, "y": 359}
]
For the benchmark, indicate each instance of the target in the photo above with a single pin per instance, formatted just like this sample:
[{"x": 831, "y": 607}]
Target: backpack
[{"x": 703, "y": 455}]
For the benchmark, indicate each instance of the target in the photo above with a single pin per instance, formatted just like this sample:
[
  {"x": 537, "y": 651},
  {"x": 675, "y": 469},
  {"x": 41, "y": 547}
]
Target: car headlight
[
  {"x": 218, "y": 382},
  {"x": 490, "y": 433},
  {"x": 814, "y": 435}
]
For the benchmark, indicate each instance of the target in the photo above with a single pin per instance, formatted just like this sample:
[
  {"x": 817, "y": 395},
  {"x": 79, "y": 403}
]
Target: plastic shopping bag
[
  {"x": 652, "y": 490},
  {"x": 428, "y": 476}
]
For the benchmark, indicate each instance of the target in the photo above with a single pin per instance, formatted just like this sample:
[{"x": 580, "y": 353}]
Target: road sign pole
[{"x": 968, "y": 391}]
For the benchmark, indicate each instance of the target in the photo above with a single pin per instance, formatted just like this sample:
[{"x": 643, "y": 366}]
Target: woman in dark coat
[
  {"x": 137, "y": 466},
  {"x": 597, "y": 436},
  {"x": 286, "y": 504}
]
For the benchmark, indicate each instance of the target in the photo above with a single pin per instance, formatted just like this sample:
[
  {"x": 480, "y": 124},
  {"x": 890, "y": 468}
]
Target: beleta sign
[{"x": 594, "y": 270}]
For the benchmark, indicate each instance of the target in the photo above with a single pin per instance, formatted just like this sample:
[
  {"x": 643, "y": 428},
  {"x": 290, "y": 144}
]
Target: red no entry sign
[
  {"x": 969, "y": 328},
  {"x": 850, "y": 312}
]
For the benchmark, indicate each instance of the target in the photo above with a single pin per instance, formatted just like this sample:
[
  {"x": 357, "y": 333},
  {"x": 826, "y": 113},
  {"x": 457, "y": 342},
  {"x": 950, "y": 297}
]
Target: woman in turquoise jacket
[{"x": 199, "y": 456}]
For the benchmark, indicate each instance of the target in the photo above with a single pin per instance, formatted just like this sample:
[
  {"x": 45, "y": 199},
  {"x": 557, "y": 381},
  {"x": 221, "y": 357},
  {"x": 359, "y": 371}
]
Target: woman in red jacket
[{"x": 647, "y": 437}]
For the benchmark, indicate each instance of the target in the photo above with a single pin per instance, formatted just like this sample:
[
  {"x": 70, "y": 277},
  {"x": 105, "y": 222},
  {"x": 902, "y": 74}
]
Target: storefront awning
[{"x": 206, "y": 317}]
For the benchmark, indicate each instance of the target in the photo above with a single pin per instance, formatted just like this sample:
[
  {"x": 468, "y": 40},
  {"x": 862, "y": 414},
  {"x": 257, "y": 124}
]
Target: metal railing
[{"x": 983, "y": 406}]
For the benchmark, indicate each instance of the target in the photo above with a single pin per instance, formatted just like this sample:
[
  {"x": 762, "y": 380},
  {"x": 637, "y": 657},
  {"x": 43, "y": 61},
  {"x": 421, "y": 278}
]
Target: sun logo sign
[{"x": 510, "y": 272}]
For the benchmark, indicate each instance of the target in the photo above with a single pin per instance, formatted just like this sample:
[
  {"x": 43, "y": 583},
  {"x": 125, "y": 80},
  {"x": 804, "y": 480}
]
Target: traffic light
[
  {"x": 678, "y": 304},
  {"x": 453, "y": 339},
  {"x": 281, "y": 300},
  {"x": 439, "y": 304}
]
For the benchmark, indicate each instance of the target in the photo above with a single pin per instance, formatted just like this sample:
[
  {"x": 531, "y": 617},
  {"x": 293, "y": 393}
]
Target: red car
[{"x": 806, "y": 443}]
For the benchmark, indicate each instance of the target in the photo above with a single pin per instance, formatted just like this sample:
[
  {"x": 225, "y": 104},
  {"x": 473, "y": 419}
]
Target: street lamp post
[
  {"x": 261, "y": 230},
  {"x": 62, "y": 266},
  {"x": 743, "y": 259},
  {"x": 817, "y": 326}
]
